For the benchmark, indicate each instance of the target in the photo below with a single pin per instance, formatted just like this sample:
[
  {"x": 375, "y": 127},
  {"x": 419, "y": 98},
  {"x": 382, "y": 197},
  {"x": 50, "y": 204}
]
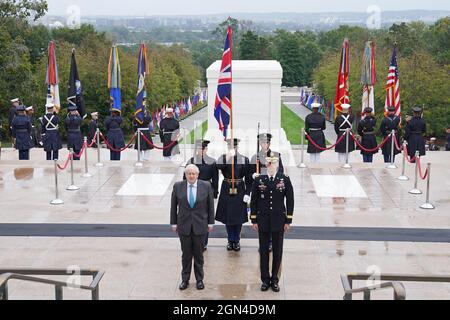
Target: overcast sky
[{"x": 190, "y": 7}]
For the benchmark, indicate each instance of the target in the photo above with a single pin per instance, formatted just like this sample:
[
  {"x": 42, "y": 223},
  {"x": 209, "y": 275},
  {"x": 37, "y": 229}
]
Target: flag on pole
[
  {"x": 143, "y": 71},
  {"x": 393, "y": 86},
  {"x": 189, "y": 103},
  {"x": 114, "y": 81},
  {"x": 342, "y": 87},
  {"x": 368, "y": 77},
  {"x": 75, "y": 93},
  {"x": 223, "y": 104},
  {"x": 52, "y": 80}
]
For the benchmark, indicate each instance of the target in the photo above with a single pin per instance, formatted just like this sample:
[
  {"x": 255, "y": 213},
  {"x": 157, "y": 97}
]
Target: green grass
[
  {"x": 292, "y": 124},
  {"x": 6, "y": 144},
  {"x": 200, "y": 131}
]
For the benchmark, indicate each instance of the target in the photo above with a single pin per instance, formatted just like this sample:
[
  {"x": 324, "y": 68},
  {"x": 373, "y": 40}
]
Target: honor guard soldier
[
  {"x": 234, "y": 194},
  {"x": 115, "y": 136},
  {"x": 272, "y": 209},
  {"x": 92, "y": 129},
  {"x": 344, "y": 122},
  {"x": 12, "y": 113},
  {"x": 414, "y": 131},
  {"x": 169, "y": 129},
  {"x": 366, "y": 129},
  {"x": 35, "y": 133},
  {"x": 21, "y": 133},
  {"x": 389, "y": 123},
  {"x": 145, "y": 147},
  {"x": 50, "y": 133},
  {"x": 208, "y": 171},
  {"x": 73, "y": 129},
  {"x": 258, "y": 163},
  {"x": 315, "y": 124}
]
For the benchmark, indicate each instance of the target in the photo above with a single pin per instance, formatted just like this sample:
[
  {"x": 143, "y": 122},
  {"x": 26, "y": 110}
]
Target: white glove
[
  {"x": 247, "y": 199},
  {"x": 256, "y": 175}
]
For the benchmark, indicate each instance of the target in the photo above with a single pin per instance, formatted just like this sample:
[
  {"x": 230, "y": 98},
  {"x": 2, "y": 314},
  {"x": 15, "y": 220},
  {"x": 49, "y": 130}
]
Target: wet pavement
[{"x": 149, "y": 267}]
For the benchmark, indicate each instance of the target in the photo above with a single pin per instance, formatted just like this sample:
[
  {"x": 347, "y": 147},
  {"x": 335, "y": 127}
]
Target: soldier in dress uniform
[
  {"x": 21, "y": 133},
  {"x": 73, "y": 129},
  {"x": 344, "y": 122},
  {"x": 367, "y": 131},
  {"x": 92, "y": 129},
  {"x": 35, "y": 133},
  {"x": 145, "y": 147},
  {"x": 234, "y": 194},
  {"x": 208, "y": 171},
  {"x": 414, "y": 131},
  {"x": 315, "y": 124},
  {"x": 115, "y": 135},
  {"x": 272, "y": 210},
  {"x": 389, "y": 123},
  {"x": 50, "y": 133},
  {"x": 169, "y": 129},
  {"x": 265, "y": 140},
  {"x": 12, "y": 113}
]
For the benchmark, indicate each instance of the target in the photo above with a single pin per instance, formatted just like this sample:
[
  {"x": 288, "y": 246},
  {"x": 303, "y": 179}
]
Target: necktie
[
  {"x": 191, "y": 196},
  {"x": 271, "y": 179}
]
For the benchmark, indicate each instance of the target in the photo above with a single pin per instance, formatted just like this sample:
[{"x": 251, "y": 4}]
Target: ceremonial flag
[
  {"x": 143, "y": 71},
  {"x": 75, "y": 93},
  {"x": 52, "y": 80},
  {"x": 223, "y": 103},
  {"x": 114, "y": 81},
  {"x": 393, "y": 86},
  {"x": 342, "y": 87},
  {"x": 189, "y": 104},
  {"x": 368, "y": 77}
]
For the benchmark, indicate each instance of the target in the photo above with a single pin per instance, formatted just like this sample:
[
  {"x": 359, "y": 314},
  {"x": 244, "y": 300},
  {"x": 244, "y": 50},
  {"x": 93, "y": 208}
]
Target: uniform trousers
[{"x": 277, "y": 254}]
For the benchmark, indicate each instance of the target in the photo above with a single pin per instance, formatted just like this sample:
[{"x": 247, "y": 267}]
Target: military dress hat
[
  {"x": 368, "y": 110},
  {"x": 15, "y": 100},
  {"x": 21, "y": 108},
  {"x": 265, "y": 137},
  {"x": 417, "y": 109},
  {"x": 235, "y": 140},
  {"x": 49, "y": 106},
  {"x": 272, "y": 159},
  {"x": 345, "y": 106},
  {"x": 202, "y": 144},
  {"x": 29, "y": 108},
  {"x": 169, "y": 110},
  {"x": 94, "y": 114},
  {"x": 315, "y": 105},
  {"x": 73, "y": 108},
  {"x": 391, "y": 109}
]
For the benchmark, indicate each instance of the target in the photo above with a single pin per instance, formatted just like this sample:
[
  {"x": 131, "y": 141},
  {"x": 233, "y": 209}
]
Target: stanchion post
[
  {"x": 86, "y": 168},
  {"x": 139, "y": 163},
  {"x": 427, "y": 205},
  {"x": 403, "y": 177},
  {"x": 99, "y": 164},
  {"x": 392, "y": 164},
  {"x": 302, "y": 164},
  {"x": 72, "y": 186},
  {"x": 347, "y": 150},
  {"x": 416, "y": 179},
  {"x": 56, "y": 201}
]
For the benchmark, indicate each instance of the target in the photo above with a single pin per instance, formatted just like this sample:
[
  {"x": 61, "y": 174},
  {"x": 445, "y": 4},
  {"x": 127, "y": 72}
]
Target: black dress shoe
[
  {"x": 200, "y": 285},
  {"x": 184, "y": 285},
  {"x": 265, "y": 287},
  {"x": 230, "y": 246},
  {"x": 205, "y": 249},
  {"x": 275, "y": 287},
  {"x": 237, "y": 247}
]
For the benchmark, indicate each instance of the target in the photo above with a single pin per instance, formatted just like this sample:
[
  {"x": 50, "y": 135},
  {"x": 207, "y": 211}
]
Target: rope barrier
[
  {"x": 173, "y": 143},
  {"x": 64, "y": 167},
  {"x": 399, "y": 148},
  {"x": 81, "y": 152},
  {"x": 321, "y": 148},
  {"x": 374, "y": 149},
  {"x": 94, "y": 141},
  {"x": 423, "y": 177},
  {"x": 119, "y": 150},
  {"x": 410, "y": 160}
]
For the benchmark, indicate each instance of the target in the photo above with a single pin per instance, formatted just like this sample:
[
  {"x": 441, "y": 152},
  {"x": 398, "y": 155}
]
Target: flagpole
[{"x": 233, "y": 169}]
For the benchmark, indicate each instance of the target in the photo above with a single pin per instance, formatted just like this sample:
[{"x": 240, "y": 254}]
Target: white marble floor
[
  {"x": 146, "y": 185},
  {"x": 328, "y": 186}
]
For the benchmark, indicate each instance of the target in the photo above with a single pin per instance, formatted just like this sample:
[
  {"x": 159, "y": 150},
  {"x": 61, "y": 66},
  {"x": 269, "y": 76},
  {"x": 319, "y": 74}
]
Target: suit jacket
[{"x": 195, "y": 219}]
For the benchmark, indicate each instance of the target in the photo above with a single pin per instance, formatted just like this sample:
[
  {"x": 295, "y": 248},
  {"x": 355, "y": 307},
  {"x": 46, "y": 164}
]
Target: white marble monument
[{"x": 256, "y": 99}]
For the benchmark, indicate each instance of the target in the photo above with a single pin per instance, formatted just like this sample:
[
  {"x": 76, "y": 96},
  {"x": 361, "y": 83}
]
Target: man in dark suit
[
  {"x": 192, "y": 217},
  {"x": 272, "y": 209}
]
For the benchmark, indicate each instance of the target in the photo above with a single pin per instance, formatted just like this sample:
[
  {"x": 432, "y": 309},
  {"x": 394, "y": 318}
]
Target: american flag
[
  {"x": 223, "y": 105},
  {"x": 393, "y": 86}
]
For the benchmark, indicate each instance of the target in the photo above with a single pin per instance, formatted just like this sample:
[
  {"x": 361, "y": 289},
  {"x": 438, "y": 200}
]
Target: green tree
[{"x": 23, "y": 9}]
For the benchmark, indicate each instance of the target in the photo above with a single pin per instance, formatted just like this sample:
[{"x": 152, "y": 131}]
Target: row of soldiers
[
  {"x": 25, "y": 135},
  {"x": 415, "y": 129},
  {"x": 259, "y": 186}
]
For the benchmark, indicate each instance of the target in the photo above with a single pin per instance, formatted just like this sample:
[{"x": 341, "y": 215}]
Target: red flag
[{"x": 342, "y": 87}]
